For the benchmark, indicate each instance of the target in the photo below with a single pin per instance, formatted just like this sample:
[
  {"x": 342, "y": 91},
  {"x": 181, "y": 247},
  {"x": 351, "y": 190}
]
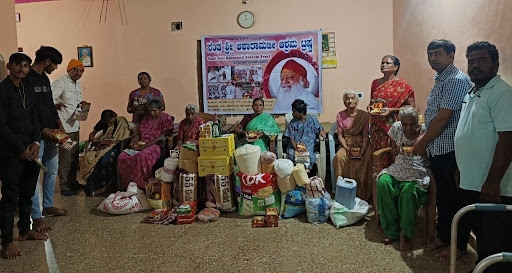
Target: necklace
[{"x": 21, "y": 90}]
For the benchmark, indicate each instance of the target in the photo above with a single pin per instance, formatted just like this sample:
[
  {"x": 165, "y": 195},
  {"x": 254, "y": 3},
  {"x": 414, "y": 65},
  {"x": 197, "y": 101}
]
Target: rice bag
[
  {"x": 286, "y": 184},
  {"x": 258, "y": 193},
  {"x": 283, "y": 167},
  {"x": 300, "y": 175},
  {"x": 293, "y": 203}
]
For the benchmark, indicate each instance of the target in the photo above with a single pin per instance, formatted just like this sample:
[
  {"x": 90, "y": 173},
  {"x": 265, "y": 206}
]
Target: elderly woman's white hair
[
  {"x": 350, "y": 92},
  {"x": 408, "y": 111},
  {"x": 192, "y": 107}
]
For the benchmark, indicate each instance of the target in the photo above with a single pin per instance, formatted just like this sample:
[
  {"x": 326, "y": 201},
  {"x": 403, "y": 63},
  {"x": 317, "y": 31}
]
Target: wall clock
[{"x": 246, "y": 19}]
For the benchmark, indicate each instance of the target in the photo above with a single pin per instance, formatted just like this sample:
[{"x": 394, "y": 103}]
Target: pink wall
[
  {"x": 363, "y": 35},
  {"x": 8, "y": 42},
  {"x": 416, "y": 23}
]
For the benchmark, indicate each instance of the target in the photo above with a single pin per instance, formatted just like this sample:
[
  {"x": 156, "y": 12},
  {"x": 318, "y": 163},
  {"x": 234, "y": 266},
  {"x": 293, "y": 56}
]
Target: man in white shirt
[
  {"x": 67, "y": 96},
  {"x": 483, "y": 145},
  {"x": 230, "y": 91}
]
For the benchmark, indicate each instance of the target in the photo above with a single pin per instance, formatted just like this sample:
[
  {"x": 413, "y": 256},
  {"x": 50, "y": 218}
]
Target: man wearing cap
[
  {"x": 47, "y": 60},
  {"x": 294, "y": 85},
  {"x": 19, "y": 147},
  {"x": 67, "y": 96}
]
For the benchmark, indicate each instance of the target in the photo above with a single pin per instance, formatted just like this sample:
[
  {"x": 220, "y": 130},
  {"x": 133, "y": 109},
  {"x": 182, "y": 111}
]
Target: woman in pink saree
[{"x": 152, "y": 129}]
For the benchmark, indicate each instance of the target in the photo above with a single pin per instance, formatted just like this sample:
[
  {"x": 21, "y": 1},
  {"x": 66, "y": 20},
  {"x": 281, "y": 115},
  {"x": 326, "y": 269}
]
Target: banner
[{"x": 278, "y": 68}]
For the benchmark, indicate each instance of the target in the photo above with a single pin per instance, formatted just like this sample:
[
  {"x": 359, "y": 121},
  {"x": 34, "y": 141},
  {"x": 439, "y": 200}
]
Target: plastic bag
[
  {"x": 317, "y": 209},
  {"x": 293, "y": 203},
  {"x": 342, "y": 216},
  {"x": 208, "y": 214},
  {"x": 133, "y": 200},
  {"x": 248, "y": 159},
  {"x": 283, "y": 167}
]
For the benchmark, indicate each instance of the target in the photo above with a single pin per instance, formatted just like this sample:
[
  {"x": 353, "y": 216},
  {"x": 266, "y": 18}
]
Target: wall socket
[
  {"x": 176, "y": 26},
  {"x": 360, "y": 95}
]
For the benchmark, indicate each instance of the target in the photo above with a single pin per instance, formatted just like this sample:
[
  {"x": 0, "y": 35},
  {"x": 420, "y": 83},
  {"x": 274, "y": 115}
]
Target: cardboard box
[
  {"x": 222, "y": 165},
  {"x": 220, "y": 146}
]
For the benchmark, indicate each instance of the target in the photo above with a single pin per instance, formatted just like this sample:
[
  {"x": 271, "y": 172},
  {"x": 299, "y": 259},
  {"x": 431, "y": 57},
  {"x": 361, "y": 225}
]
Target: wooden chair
[{"x": 381, "y": 159}]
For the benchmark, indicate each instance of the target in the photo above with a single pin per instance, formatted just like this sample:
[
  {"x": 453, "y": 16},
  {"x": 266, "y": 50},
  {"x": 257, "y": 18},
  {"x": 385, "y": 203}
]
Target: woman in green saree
[{"x": 258, "y": 126}]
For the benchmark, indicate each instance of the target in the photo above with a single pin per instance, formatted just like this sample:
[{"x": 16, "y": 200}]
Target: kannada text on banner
[{"x": 278, "y": 68}]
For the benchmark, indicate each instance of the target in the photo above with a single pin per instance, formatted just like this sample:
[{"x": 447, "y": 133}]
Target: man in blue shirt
[
  {"x": 441, "y": 118},
  {"x": 483, "y": 148}
]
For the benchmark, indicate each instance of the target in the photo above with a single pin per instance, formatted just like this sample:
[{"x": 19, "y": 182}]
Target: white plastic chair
[
  {"x": 320, "y": 157},
  {"x": 332, "y": 154}
]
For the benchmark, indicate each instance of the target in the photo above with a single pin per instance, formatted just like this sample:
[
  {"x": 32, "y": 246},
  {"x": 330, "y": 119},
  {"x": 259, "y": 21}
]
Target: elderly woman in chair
[
  {"x": 402, "y": 187},
  {"x": 152, "y": 129},
  {"x": 354, "y": 158},
  {"x": 98, "y": 165},
  {"x": 189, "y": 127},
  {"x": 302, "y": 131}
]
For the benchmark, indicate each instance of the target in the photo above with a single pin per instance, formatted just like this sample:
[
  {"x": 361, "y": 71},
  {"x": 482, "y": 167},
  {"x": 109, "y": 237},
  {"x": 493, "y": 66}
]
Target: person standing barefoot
[{"x": 19, "y": 148}]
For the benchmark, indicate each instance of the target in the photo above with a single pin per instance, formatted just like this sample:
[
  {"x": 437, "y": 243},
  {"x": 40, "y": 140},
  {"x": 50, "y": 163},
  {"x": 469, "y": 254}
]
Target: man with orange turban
[
  {"x": 67, "y": 96},
  {"x": 294, "y": 85}
]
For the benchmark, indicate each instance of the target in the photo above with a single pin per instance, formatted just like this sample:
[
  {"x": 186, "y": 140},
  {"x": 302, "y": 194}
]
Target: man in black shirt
[
  {"x": 47, "y": 60},
  {"x": 19, "y": 148}
]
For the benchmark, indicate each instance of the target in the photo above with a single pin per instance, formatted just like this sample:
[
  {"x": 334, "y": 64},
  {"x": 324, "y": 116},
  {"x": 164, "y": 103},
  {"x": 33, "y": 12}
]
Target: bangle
[{"x": 37, "y": 143}]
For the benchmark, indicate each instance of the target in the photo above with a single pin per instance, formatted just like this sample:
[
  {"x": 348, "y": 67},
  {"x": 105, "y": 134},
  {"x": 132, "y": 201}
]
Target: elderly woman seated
[
  {"x": 98, "y": 165},
  {"x": 136, "y": 164},
  {"x": 258, "y": 126},
  {"x": 402, "y": 187},
  {"x": 302, "y": 131},
  {"x": 189, "y": 126},
  {"x": 354, "y": 158}
]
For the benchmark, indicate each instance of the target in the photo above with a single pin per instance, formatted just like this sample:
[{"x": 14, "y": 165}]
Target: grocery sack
[
  {"x": 342, "y": 216},
  {"x": 315, "y": 188},
  {"x": 317, "y": 209},
  {"x": 248, "y": 159},
  {"x": 293, "y": 203},
  {"x": 133, "y": 200},
  {"x": 283, "y": 167},
  {"x": 259, "y": 192},
  {"x": 267, "y": 168},
  {"x": 286, "y": 184},
  {"x": 300, "y": 175},
  {"x": 208, "y": 215},
  {"x": 159, "y": 195},
  {"x": 219, "y": 193},
  {"x": 268, "y": 158},
  {"x": 187, "y": 188}
]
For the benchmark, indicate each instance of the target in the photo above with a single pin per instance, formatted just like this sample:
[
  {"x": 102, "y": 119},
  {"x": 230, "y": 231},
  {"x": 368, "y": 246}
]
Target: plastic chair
[
  {"x": 320, "y": 155},
  {"x": 380, "y": 161},
  {"x": 506, "y": 257},
  {"x": 493, "y": 259},
  {"x": 332, "y": 153}
]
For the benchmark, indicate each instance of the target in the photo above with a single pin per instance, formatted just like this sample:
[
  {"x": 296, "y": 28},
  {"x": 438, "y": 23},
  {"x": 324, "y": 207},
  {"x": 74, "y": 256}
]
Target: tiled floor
[{"x": 90, "y": 241}]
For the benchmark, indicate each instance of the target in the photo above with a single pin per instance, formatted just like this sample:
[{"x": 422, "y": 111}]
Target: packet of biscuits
[{"x": 63, "y": 140}]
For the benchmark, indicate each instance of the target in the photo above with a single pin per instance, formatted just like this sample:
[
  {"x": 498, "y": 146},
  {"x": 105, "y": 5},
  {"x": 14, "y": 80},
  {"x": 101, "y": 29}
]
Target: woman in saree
[
  {"x": 152, "y": 129},
  {"x": 393, "y": 93},
  {"x": 189, "y": 127},
  {"x": 139, "y": 97},
  {"x": 259, "y": 124},
  {"x": 98, "y": 165},
  {"x": 354, "y": 158},
  {"x": 302, "y": 131}
]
